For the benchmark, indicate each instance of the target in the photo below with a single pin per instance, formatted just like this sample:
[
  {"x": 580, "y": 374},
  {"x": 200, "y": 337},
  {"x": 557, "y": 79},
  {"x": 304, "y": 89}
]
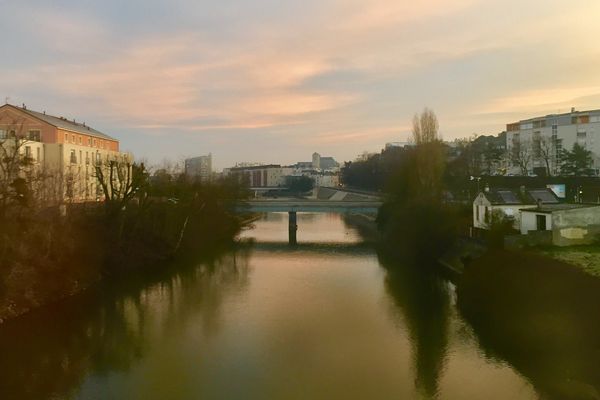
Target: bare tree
[
  {"x": 522, "y": 155},
  {"x": 14, "y": 162},
  {"x": 425, "y": 127},
  {"x": 546, "y": 152},
  {"x": 120, "y": 181},
  {"x": 429, "y": 156}
]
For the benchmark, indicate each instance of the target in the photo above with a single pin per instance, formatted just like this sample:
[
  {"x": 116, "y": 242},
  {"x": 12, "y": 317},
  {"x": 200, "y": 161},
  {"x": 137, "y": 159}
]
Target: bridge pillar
[{"x": 293, "y": 227}]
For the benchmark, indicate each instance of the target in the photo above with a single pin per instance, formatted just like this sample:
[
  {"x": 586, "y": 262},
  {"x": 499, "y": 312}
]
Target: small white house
[
  {"x": 509, "y": 203},
  {"x": 570, "y": 224}
]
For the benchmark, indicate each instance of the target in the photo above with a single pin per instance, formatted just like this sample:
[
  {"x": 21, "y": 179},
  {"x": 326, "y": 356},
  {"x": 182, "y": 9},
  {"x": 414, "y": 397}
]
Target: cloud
[{"x": 335, "y": 73}]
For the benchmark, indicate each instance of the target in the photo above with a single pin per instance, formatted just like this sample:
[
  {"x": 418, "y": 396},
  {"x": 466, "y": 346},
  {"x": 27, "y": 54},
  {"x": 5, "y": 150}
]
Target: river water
[{"x": 328, "y": 319}]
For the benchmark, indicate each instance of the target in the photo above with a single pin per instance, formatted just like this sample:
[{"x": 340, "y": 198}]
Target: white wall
[{"x": 529, "y": 221}]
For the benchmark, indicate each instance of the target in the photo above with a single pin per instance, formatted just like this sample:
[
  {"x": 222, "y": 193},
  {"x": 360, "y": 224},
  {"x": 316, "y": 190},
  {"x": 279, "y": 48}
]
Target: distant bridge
[
  {"x": 324, "y": 200},
  {"x": 308, "y": 205}
]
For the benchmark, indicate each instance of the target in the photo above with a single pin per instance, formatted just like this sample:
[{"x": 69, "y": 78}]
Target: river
[{"x": 328, "y": 319}]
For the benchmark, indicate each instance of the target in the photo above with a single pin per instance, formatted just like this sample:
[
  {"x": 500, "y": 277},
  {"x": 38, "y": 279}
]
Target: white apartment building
[
  {"x": 549, "y": 135},
  {"x": 261, "y": 175}
]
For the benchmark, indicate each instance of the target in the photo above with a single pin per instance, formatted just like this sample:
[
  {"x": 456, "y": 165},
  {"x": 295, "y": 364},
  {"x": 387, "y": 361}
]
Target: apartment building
[
  {"x": 65, "y": 148},
  {"x": 272, "y": 175},
  {"x": 539, "y": 141},
  {"x": 199, "y": 167}
]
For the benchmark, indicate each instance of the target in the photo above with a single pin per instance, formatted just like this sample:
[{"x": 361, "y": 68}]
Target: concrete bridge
[
  {"x": 323, "y": 200},
  {"x": 309, "y": 205}
]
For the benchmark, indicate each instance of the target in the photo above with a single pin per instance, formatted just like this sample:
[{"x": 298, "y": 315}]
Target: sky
[{"x": 274, "y": 81}]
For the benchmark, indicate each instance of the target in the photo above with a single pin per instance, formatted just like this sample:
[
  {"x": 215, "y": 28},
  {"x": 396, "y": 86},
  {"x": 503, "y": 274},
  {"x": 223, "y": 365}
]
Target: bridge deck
[{"x": 311, "y": 206}]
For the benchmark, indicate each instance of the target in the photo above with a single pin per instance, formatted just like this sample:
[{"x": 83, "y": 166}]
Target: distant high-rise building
[
  {"x": 317, "y": 163},
  {"x": 316, "y": 160},
  {"x": 199, "y": 167}
]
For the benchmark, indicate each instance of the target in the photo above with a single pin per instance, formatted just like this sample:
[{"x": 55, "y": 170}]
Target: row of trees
[
  {"x": 51, "y": 247},
  {"x": 575, "y": 162},
  {"x": 488, "y": 155},
  {"x": 475, "y": 156}
]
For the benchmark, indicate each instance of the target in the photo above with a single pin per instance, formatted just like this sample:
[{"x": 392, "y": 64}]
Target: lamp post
[{"x": 477, "y": 179}]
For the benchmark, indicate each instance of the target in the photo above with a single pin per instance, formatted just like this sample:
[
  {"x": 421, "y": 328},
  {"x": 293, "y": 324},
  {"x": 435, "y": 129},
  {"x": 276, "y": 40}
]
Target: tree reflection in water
[
  {"x": 423, "y": 298},
  {"x": 48, "y": 353},
  {"x": 541, "y": 316}
]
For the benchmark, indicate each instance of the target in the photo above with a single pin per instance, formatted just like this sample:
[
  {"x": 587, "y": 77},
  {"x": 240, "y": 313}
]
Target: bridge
[
  {"x": 309, "y": 205},
  {"x": 323, "y": 200}
]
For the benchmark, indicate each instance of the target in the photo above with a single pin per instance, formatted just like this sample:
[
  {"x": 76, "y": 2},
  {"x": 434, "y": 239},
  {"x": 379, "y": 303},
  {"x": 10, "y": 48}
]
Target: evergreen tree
[{"x": 576, "y": 162}]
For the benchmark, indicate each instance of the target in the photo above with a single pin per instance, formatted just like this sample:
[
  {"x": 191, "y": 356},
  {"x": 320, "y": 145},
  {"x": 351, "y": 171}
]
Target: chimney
[
  {"x": 572, "y": 109},
  {"x": 539, "y": 203},
  {"x": 24, "y": 106},
  {"x": 44, "y": 112}
]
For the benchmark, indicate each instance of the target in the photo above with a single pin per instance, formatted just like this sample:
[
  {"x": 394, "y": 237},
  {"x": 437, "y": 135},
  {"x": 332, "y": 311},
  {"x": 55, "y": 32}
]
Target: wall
[
  {"x": 65, "y": 136},
  {"x": 529, "y": 221},
  {"x": 21, "y": 123},
  {"x": 575, "y": 227}
]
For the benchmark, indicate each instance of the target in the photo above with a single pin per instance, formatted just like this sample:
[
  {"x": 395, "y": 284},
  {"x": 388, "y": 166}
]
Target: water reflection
[
  {"x": 48, "y": 353},
  {"x": 423, "y": 299},
  {"x": 322, "y": 320},
  {"x": 539, "y": 315}
]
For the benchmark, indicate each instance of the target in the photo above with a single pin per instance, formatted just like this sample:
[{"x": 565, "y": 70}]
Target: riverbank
[
  {"x": 48, "y": 256},
  {"x": 585, "y": 258}
]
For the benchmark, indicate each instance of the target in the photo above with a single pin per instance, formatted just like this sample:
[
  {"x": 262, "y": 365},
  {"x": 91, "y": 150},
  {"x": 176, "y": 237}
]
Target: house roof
[
  {"x": 550, "y": 208},
  {"x": 521, "y": 196},
  {"x": 63, "y": 123}
]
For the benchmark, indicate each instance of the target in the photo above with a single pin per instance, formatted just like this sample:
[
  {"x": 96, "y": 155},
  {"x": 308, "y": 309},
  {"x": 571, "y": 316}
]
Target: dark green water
[{"x": 330, "y": 319}]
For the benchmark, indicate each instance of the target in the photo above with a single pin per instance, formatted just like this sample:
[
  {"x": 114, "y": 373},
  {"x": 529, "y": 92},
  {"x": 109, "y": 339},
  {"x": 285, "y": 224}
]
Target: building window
[
  {"x": 34, "y": 135},
  {"x": 38, "y": 150},
  {"x": 89, "y": 141},
  {"x": 66, "y": 137},
  {"x": 79, "y": 139},
  {"x": 28, "y": 151},
  {"x": 94, "y": 142},
  {"x": 2, "y": 134},
  {"x": 72, "y": 138},
  {"x": 73, "y": 157}
]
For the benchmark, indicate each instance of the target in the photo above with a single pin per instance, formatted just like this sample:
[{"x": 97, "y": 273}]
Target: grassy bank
[{"x": 586, "y": 258}]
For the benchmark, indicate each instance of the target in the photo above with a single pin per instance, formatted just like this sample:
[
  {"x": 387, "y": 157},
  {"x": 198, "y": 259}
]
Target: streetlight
[{"x": 476, "y": 178}]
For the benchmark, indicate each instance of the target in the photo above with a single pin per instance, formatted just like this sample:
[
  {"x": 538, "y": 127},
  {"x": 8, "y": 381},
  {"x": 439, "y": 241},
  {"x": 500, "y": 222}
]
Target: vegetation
[
  {"x": 299, "y": 184},
  {"x": 414, "y": 214},
  {"x": 52, "y": 246},
  {"x": 576, "y": 162}
]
